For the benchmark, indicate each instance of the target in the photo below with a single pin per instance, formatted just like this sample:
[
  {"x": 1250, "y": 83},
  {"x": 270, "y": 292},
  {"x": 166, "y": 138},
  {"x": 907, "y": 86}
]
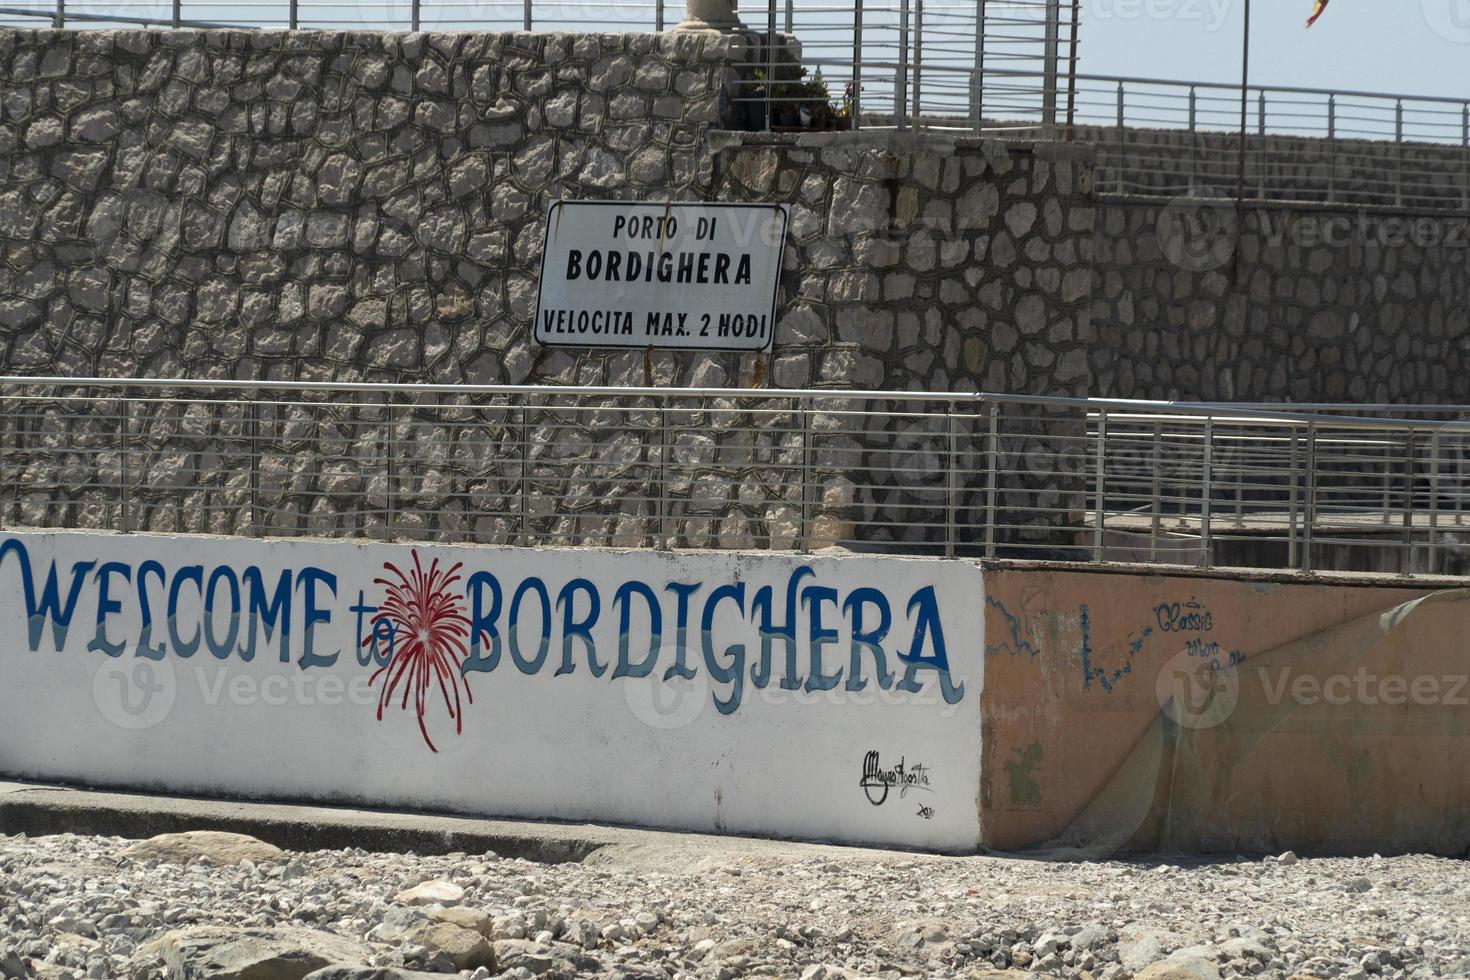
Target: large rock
[
  {"x": 397, "y": 925},
  {"x": 1180, "y": 967},
  {"x": 213, "y": 846},
  {"x": 466, "y": 918},
  {"x": 431, "y": 893},
  {"x": 466, "y": 948},
  {"x": 279, "y": 953}
]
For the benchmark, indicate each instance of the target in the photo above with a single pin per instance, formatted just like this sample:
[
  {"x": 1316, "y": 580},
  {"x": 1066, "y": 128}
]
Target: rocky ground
[{"x": 224, "y": 907}]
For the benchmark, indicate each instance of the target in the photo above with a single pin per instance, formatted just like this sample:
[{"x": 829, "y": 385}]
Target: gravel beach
[{"x": 221, "y": 906}]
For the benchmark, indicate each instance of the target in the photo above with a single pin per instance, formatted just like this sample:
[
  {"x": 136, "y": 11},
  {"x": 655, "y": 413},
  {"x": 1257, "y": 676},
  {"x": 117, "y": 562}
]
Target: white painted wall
[{"x": 652, "y": 750}]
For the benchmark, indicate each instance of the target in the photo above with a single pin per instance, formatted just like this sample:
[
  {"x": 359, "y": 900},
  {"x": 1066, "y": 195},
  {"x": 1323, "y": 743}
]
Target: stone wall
[{"x": 1318, "y": 303}]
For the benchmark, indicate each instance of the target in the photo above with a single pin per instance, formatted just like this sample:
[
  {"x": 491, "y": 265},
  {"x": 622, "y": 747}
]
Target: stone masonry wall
[
  {"x": 333, "y": 206},
  {"x": 1318, "y": 304}
]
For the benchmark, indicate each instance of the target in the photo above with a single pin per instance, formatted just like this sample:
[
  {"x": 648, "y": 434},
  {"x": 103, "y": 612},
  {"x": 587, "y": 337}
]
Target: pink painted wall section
[{"x": 1131, "y": 711}]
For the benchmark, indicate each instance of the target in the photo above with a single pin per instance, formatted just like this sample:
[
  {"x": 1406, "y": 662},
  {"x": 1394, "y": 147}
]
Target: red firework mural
[{"x": 429, "y": 630}]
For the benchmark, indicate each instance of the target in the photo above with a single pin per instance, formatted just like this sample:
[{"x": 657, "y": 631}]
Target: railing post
[
  {"x": 126, "y": 427},
  {"x": 1433, "y": 504},
  {"x": 901, "y": 80},
  {"x": 1099, "y": 470},
  {"x": 253, "y": 405},
  {"x": 1263, "y": 156},
  {"x": 855, "y": 107},
  {"x": 1193, "y": 150},
  {"x": 658, "y": 16},
  {"x": 414, "y": 10},
  {"x": 390, "y": 437},
  {"x": 1410, "y": 466},
  {"x": 525, "y": 16},
  {"x": 1332, "y": 147},
  {"x": 1122, "y": 144},
  {"x": 1465, "y": 141},
  {"x": 952, "y": 486},
  {"x": 664, "y": 507},
  {"x": 178, "y": 14},
  {"x": 1398, "y": 136},
  {"x": 1309, "y": 518},
  {"x": 1050, "y": 56},
  {"x": 59, "y": 18},
  {"x": 977, "y": 76},
  {"x": 807, "y": 488},
  {"x": 1207, "y": 481},
  {"x": 1291, "y": 518},
  {"x": 770, "y": 64},
  {"x": 523, "y": 503},
  {"x": 1156, "y": 502},
  {"x": 918, "y": 63},
  {"x": 992, "y": 478},
  {"x": 790, "y": 18},
  {"x": 295, "y": 15}
]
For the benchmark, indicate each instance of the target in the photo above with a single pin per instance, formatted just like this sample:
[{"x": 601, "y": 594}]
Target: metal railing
[{"x": 898, "y": 472}]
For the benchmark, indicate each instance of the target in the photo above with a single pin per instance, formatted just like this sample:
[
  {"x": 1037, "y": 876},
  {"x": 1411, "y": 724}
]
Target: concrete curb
[{"x": 36, "y": 809}]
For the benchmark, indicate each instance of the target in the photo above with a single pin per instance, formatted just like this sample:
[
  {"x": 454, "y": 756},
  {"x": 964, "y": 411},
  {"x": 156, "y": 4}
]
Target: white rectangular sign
[
  {"x": 823, "y": 697},
  {"x": 682, "y": 276}
]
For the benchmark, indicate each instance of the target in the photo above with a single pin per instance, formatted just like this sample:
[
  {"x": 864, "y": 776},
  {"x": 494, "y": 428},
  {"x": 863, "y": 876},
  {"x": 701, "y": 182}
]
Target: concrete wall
[
  {"x": 823, "y": 698},
  {"x": 1205, "y": 713}
]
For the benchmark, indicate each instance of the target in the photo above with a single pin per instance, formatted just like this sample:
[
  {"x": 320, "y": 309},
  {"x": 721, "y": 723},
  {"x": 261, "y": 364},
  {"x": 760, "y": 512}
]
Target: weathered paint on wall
[
  {"x": 1193, "y": 713},
  {"x": 833, "y": 698}
]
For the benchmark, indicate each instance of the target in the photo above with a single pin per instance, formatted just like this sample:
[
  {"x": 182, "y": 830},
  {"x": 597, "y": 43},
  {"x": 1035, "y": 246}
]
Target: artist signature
[{"x": 878, "y": 781}]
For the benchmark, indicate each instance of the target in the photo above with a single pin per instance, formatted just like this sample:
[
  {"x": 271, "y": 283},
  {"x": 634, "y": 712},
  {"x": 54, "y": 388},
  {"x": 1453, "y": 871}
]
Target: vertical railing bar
[
  {"x": 1433, "y": 504},
  {"x": 526, "y": 16},
  {"x": 1465, "y": 141},
  {"x": 9, "y": 415},
  {"x": 390, "y": 436},
  {"x": 127, "y": 449},
  {"x": 1240, "y": 460},
  {"x": 256, "y": 524},
  {"x": 1156, "y": 502},
  {"x": 1122, "y": 141},
  {"x": 992, "y": 478},
  {"x": 1410, "y": 475},
  {"x": 952, "y": 487},
  {"x": 1387, "y": 484},
  {"x": 918, "y": 105},
  {"x": 1099, "y": 470},
  {"x": 294, "y": 18},
  {"x": 770, "y": 64},
  {"x": 901, "y": 82},
  {"x": 1051, "y": 52},
  {"x": 855, "y": 107},
  {"x": 1332, "y": 147},
  {"x": 1263, "y": 158},
  {"x": 1398, "y": 131},
  {"x": 977, "y": 77},
  {"x": 413, "y": 15},
  {"x": 59, "y": 19},
  {"x": 1291, "y": 528},
  {"x": 524, "y": 440},
  {"x": 178, "y": 14},
  {"x": 1193, "y": 149},
  {"x": 1207, "y": 479},
  {"x": 664, "y": 503},
  {"x": 808, "y": 491},
  {"x": 790, "y": 18},
  {"x": 1309, "y": 518}
]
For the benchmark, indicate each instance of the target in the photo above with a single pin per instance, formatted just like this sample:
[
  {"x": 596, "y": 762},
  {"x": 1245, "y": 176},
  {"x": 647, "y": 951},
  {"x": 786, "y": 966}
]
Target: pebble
[{"x": 74, "y": 907}]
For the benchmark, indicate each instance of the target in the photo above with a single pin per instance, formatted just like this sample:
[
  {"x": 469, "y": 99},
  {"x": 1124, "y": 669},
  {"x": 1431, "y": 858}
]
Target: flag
[{"x": 1321, "y": 6}]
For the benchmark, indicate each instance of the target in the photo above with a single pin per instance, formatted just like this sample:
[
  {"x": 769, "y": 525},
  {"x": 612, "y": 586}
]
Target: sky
[{"x": 1409, "y": 47}]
